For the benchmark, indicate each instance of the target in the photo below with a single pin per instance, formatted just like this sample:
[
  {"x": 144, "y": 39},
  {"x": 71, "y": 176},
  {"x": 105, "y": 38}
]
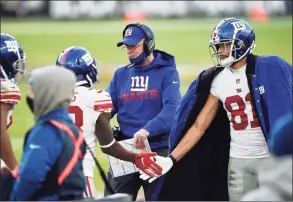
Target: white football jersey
[
  {"x": 10, "y": 94},
  {"x": 247, "y": 139},
  {"x": 85, "y": 108}
]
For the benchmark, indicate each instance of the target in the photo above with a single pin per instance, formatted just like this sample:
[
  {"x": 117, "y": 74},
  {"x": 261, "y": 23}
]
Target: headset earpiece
[{"x": 150, "y": 44}]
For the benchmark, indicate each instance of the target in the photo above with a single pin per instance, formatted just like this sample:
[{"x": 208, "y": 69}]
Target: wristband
[
  {"x": 108, "y": 145},
  {"x": 173, "y": 159}
]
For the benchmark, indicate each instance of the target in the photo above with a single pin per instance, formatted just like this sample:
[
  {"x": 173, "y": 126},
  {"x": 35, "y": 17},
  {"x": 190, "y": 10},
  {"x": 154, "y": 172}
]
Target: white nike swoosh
[
  {"x": 142, "y": 162},
  {"x": 33, "y": 146},
  {"x": 175, "y": 82}
]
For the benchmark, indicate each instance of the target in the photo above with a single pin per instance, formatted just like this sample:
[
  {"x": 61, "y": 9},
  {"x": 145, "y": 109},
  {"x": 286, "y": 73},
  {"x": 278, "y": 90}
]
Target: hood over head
[{"x": 53, "y": 88}]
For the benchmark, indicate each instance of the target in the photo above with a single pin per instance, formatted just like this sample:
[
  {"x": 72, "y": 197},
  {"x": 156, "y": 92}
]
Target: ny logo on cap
[{"x": 128, "y": 32}]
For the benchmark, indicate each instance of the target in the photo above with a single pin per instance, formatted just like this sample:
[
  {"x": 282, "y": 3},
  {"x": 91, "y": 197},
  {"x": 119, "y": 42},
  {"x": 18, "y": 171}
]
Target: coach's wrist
[{"x": 143, "y": 132}]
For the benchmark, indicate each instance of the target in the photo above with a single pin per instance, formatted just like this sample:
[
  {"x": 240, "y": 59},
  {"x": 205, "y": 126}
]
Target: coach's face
[{"x": 134, "y": 51}]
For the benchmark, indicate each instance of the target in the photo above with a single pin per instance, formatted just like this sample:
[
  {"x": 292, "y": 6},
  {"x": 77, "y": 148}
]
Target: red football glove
[{"x": 147, "y": 165}]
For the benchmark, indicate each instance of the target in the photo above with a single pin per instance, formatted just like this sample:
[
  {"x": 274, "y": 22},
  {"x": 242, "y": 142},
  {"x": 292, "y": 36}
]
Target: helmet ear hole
[{"x": 78, "y": 62}]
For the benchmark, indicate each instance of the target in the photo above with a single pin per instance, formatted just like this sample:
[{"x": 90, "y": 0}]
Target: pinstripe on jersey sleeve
[{"x": 103, "y": 102}]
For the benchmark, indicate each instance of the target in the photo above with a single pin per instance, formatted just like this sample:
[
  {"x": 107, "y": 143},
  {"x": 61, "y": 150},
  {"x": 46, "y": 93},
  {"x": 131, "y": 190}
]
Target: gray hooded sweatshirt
[{"x": 53, "y": 88}]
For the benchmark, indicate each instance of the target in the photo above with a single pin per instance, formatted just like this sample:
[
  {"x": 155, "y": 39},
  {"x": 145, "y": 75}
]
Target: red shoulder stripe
[
  {"x": 102, "y": 107},
  {"x": 13, "y": 97}
]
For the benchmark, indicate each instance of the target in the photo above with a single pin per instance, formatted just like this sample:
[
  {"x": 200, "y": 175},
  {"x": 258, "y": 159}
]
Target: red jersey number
[
  {"x": 78, "y": 115},
  {"x": 242, "y": 125}
]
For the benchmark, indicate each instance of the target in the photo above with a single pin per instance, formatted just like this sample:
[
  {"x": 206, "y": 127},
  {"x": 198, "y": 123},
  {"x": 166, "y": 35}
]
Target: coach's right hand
[{"x": 144, "y": 162}]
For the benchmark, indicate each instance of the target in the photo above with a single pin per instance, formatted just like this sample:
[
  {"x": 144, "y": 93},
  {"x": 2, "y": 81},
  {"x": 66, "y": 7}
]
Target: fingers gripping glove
[
  {"x": 147, "y": 165},
  {"x": 165, "y": 163}
]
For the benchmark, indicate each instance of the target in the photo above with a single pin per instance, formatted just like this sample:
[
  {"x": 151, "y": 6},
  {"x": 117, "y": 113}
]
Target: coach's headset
[{"x": 149, "y": 42}]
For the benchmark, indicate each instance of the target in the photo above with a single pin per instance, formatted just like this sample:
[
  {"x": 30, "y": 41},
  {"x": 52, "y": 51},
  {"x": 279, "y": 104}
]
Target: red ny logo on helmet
[{"x": 215, "y": 35}]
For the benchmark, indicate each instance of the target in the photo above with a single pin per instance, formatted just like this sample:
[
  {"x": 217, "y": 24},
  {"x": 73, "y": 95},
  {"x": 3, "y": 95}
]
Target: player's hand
[
  {"x": 144, "y": 162},
  {"x": 139, "y": 138},
  {"x": 164, "y": 162}
]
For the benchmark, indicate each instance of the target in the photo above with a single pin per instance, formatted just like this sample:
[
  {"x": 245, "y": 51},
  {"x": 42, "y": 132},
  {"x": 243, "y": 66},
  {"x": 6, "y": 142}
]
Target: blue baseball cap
[{"x": 133, "y": 35}]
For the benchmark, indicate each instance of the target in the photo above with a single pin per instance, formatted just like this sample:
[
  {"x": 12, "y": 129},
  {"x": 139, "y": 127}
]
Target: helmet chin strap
[
  {"x": 227, "y": 62},
  {"x": 87, "y": 80}
]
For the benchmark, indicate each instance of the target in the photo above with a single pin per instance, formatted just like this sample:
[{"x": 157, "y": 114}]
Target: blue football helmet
[
  {"x": 232, "y": 31},
  {"x": 82, "y": 63},
  {"x": 12, "y": 59}
]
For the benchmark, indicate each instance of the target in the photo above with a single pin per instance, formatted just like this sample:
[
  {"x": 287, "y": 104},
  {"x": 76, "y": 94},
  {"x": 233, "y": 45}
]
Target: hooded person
[
  {"x": 51, "y": 163},
  {"x": 145, "y": 95}
]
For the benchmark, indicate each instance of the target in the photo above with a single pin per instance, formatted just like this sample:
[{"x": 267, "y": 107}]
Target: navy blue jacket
[
  {"x": 47, "y": 150},
  {"x": 202, "y": 173},
  {"x": 146, "y": 97}
]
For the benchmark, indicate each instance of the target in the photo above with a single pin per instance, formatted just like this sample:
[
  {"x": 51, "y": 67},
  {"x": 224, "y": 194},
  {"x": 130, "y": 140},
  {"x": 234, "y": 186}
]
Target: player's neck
[
  {"x": 240, "y": 63},
  {"x": 148, "y": 60}
]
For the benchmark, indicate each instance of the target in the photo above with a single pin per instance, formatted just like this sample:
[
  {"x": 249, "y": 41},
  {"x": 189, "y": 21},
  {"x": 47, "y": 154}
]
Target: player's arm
[
  {"x": 107, "y": 142},
  {"x": 109, "y": 146},
  {"x": 6, "y": 152},
  {"x": 198, "y": 128},
  {"x": 103, "y": 106}
]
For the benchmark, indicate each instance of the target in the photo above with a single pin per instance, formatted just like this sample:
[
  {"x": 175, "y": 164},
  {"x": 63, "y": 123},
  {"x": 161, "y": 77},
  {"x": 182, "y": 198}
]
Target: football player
[
  {"x": 241, "y": 98},
  {"x": 12, "y": 64},
  {"x": 91, "y": 112}
]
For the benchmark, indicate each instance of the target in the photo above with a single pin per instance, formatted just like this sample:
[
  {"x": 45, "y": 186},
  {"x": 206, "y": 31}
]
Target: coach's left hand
[
  {"x": 139, "y": 138},
  {"x": 164, "y": 162}
]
